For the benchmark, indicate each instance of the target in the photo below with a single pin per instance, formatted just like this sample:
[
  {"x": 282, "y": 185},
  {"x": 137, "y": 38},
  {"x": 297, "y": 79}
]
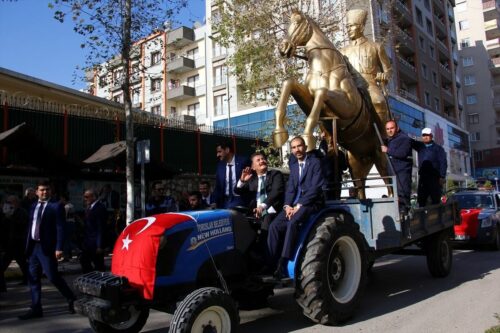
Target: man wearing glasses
[{"x": 432, "y": 167}]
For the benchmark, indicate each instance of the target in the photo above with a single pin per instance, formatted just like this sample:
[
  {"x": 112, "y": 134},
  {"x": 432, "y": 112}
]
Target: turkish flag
[{"x": 136, "y": 250}]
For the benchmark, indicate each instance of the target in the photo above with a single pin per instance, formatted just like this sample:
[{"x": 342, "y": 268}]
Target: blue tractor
[{"x": 202, "y": 265}]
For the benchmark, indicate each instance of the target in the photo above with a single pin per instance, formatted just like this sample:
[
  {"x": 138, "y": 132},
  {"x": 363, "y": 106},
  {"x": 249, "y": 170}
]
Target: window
[
  {"x": 218, "y": 50},
  {"x": 193, "y": 109},
  {"x": 427, "y": 5},
  {"x": 420, "y": 19},
  {"x": 463, "y": 25},
  {"x": 192, "y": 54},
  {"x": 436, "y": 104},
  {"x": 192, "y": 81},
  {"x": 467, "y": 61},
  {"x": 427, "y": 98},
  {"x": 220, "y": 76},
  {"x": 155, "y": 58},
  {"x": 473, "y": 118},
  {"x": 424, "y": 71},
  {"x": 103, "y": 81},
  {"x": 465, "y": 42},
  {"x": 220, "y": 105},
  {"x": 421, "y": 41},
  {"x": 156, "y": 109},
  {"x": 475, "y": 136},
  {"x": 155, "y": 85},
  {"x": 434, "y": 78},
  {"x": 471, "y": 99},
  {"x": 432, "y": 52},
  {"x": 173, "y": 110},
  {"x": 469, "y": 79},
  {"x": 118, "y": 98},
  {"x": 428, "y": 23},
  {"x": 117, "y": 77},
  {"x": 461, "y": 7},
  {"x": 478, "y": 155},
  {"x": 136, "y": 95}
]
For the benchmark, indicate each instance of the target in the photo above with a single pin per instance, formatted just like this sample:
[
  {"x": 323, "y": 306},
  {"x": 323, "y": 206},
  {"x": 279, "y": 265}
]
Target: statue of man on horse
[{"x": 331, "y": 91}]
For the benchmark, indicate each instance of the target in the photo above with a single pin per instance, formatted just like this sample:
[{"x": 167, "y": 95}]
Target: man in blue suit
[
  {"x": 228, "y": 172},
  {"x": 93, "y": 237},
  {"x": 44, "y": 247},
  {"x": 303, "y": 197}
]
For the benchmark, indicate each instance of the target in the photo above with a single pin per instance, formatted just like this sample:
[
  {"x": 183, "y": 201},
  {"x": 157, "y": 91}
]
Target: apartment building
[
  {"x": 478, "y": 28},
  {"x": 168, "y": 74}
]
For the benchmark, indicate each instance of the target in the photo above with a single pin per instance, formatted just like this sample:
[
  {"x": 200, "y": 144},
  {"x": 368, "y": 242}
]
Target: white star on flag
[{"x": 126, "y": 241}]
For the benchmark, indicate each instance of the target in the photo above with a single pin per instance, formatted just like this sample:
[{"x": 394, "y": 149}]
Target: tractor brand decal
[{"x": 210, "y": 230}]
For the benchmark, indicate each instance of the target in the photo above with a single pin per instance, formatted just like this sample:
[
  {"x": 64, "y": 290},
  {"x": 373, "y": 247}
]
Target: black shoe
[
  {"x": 71, "y": 306},
  {"x": 31, "y": 314},
  {"x": 280, "y": 272}
]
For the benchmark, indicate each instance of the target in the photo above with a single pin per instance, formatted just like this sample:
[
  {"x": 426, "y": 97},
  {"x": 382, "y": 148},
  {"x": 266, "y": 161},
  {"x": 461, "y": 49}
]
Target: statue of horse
[{"x": 330, "y": 91}]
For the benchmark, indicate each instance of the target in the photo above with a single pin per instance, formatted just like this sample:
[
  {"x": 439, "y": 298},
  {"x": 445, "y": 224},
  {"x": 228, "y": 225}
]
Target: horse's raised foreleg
[
  {"x": 320, "y": 95},
  {"x": 304, "y": 100}
]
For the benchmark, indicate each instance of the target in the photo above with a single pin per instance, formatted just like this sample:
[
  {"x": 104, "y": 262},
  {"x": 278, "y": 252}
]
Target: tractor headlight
[{"x": 485, "y": 223}]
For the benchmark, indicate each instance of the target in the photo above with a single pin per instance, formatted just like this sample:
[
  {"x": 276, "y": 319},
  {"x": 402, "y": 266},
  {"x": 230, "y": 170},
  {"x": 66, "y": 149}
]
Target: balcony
[
  {"x": 406, "y": 44},
  {"x": 406, "y": 70},
  {"x": 408, "y": 95},
  {"x": 180, "y": 93},
  {"x": 490, "y": 10},
  {"x": 438, "y": 23},
  {"x": 180, "y": 37},
  {"x": 492, "y": 29},
  {"x": 447, "y": 96},
  {"x": 493, "y": 47},
  {"x": 404, "y": 11},
  {"x": 451, "y": 15},
  {"x": 180, "y": 65},
  {"x": 442, "y": 47},
  {"x": 495, "y": 65}
]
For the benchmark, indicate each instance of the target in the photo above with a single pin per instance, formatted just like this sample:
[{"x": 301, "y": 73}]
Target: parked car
[{"x": 480, "y": 217}]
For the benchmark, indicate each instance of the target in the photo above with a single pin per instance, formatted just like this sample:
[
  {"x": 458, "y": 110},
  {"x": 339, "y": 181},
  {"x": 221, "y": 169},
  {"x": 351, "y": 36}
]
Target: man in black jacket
[{"x": 398, "y": 147}]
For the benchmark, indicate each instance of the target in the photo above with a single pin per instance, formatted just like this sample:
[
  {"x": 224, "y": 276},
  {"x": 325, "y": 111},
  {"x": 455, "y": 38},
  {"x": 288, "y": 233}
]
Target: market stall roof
[{"x": 107, "y": 152}]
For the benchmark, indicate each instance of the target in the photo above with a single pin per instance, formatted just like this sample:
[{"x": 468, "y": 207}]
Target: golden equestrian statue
[{"x": 330, "y": 91}]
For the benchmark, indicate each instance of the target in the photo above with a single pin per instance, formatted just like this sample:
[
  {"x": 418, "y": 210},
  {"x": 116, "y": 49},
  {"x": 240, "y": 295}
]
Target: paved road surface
[{"x": 400, "y": 297}]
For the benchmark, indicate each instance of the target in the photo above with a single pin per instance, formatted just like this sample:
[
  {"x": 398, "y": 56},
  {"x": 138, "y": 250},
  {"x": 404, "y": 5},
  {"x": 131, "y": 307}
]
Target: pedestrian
[
  {"x": 29, "y": 198},
  {"x": 398, "y": 147},
  {"x": 92, "y": 256},
  {"x": 206, "y": 193},
  {"x": 432, "y": 165},
  {"x": 303, "y": 197},
  {"x": 195, "y": 201},
  {"x": 159, "y": 202},
  {"x": 44, "y": 247},
  {"x": 16, "y": 229},
  {"x": 228, "y": 172}
]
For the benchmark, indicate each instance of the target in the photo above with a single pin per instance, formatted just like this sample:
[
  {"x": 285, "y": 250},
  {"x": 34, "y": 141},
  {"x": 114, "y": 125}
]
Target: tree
[{"x": 110, "y": 27}]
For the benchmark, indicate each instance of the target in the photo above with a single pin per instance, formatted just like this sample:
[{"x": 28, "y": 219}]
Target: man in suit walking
[
  {"x": 303, "y": 197},
  {"x": 92, "y": 256},
  {"x": 44, "y": 247},
  {"x": 228, "y": 172}
]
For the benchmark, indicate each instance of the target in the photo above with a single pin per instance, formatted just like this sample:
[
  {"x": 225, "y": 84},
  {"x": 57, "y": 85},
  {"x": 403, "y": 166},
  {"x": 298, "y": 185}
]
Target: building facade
[{"x": 478, "y": 27}]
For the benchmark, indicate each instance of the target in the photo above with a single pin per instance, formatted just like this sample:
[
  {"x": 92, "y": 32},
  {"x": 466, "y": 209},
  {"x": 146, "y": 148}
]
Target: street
[{"x": 400, "y": 296}]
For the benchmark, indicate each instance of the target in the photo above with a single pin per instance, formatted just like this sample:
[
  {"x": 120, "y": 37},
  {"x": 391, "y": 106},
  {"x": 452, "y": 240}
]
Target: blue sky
[{"x": 35, "y": 44}]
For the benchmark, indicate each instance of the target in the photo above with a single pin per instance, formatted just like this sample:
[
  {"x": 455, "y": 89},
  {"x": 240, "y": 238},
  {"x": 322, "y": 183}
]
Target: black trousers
[{"x": 91, "y": 261}]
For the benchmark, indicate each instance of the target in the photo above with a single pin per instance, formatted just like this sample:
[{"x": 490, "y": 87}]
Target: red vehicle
[{"x": 480, "y": 217}]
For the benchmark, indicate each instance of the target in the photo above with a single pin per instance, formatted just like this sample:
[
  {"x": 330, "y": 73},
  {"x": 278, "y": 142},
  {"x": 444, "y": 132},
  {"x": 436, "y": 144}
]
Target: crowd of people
[{"x": 40, "y": 230}]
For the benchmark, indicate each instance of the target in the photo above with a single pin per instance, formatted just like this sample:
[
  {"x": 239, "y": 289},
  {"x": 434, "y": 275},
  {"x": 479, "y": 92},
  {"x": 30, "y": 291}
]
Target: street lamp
[{"x": 496, "y": 183}]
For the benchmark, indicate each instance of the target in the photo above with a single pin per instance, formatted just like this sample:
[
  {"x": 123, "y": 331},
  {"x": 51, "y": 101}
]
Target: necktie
[
  {"x": 39, "y": 220},
  {"x": 299, "y": 189},
  {"x": 262, "y": 193},
  {"x": 230, "y": 181}
]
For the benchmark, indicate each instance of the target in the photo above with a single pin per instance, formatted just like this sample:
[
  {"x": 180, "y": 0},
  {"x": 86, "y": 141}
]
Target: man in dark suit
[
  {"x": 228, "y": 172},
  {"x": 206, "y": 195},
  {"x": 44, "y": 247},
  {"x": 92, "y": 256},
  {"x": 264, "y": 187},
  {"x": 303, "y": 197}
]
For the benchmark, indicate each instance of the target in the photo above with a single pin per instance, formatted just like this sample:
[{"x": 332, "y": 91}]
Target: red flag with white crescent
[{"x": 136, "y": 250}]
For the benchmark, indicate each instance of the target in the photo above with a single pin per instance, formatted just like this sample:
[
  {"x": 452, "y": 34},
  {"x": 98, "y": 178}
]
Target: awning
[{"x": 107, "y": 152}]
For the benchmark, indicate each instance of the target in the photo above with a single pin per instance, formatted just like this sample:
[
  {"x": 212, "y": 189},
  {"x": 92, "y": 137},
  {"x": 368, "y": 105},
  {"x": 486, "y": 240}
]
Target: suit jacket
[
  {"x": 95, "y": 222},
  {"x": 220, "y": 178},
  {"x": 311, "y": 183},
  {"x": 51, "y": 228},
  {"x": 275, "y": 189}
]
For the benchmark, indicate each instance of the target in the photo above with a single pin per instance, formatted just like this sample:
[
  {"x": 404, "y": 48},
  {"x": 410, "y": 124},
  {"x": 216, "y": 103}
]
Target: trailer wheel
[
  {"x": 495, "y": 246},
  {"x": 205, "y": 310},
  {"x": 439, "y": 254},
  {"x": 333, "y": 273},
  {"x": 136, "y": 322}
]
